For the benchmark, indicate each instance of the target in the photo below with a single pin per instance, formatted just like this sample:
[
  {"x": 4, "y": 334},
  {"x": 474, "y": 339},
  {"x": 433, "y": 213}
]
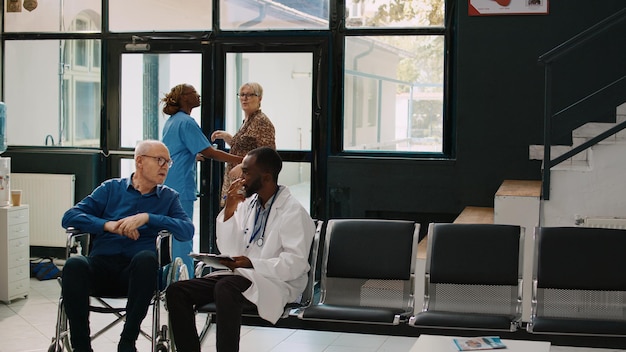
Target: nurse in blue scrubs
[{"x": 187, "y": 145}]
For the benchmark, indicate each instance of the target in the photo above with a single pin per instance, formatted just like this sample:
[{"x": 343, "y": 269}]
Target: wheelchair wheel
[
  {"x": 55, "y": 347},
  {"x": 60, "y": 346},
  {"x": 177, "y": 271},
  {"x": 163, "y": 344}
]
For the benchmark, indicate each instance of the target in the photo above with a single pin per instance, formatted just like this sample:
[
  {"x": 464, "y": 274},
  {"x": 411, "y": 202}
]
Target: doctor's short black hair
[{"x": 267, "y": 160}]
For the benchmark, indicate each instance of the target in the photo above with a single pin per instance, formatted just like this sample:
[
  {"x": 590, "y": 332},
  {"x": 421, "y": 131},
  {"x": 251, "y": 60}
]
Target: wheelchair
[{"x": 159, "y": 334}]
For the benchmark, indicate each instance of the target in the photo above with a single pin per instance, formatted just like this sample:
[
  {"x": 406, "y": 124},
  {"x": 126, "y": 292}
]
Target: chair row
[{"x": 473, "y": 277}]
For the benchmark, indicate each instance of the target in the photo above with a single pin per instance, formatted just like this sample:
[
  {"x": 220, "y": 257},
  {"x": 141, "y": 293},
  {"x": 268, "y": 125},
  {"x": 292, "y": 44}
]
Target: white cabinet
[{"x": 14, "y": 253}]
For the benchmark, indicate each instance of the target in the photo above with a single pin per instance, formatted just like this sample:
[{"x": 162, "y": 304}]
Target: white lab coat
[{"x": 280, "y": 266}]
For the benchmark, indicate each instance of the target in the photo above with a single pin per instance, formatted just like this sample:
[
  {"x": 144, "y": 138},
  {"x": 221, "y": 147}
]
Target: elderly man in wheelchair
[{"x": 124, "y": 217}]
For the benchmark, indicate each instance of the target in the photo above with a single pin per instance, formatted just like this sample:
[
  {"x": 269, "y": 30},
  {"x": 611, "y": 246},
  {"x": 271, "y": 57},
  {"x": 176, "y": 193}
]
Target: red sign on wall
[{"x": 507, "y": 7}]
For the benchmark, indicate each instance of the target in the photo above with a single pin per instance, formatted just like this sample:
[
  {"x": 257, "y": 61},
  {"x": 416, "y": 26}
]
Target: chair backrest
[
  {"x": 369, "y": 263},
  {"x": 474, "y": 268},
  {"x": 578, "y": 273}
]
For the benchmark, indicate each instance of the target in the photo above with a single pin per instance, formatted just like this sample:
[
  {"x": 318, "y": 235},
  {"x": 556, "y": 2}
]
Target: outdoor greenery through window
[
  {"x": 394, "y": 13},
  {"x": 394, "y": 85}
]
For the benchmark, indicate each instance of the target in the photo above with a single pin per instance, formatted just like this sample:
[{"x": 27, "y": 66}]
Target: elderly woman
[
  {"x": 186, "y": 143},
  {"x": 257, "y": 130}
]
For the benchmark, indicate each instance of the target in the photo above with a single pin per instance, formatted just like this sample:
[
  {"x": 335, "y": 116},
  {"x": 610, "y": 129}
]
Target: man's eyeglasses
[
  {"x": 161, "y": 161},
  {"x": 245, "y": 96}
]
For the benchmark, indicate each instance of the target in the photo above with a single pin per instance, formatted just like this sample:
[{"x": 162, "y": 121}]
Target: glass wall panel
[
  {"x": 146, "y": 78},
  {"x": 297, "y": 176},
  {"x": 162, "y": 15},
  {"x": 287, "y": 82},
  {"x": 277, "y": 14},
  {"x": 54, "y": 16},
  {"x": 394, "y": 13},
  {"x": 397, "y": 106},
  {"x": 63, "y": 107}
]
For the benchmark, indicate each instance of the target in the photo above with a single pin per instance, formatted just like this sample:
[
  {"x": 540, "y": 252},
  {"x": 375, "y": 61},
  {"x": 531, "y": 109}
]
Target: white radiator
[
  {"x": 48, "y": 197},
  {"x": 607, "y": 223}
]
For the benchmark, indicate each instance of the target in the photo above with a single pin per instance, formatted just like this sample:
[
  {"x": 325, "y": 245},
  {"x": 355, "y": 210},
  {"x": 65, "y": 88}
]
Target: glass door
[
  {"x": 145, "y": 76},
  {"x": 290, "y": 77},
  {"x": 287, "y": 82}
]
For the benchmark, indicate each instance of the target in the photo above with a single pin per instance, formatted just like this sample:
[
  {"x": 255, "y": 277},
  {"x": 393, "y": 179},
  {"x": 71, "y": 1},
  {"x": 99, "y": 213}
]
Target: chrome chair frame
[
  {"x": 368, "y": 272},
  {"x": 473, "y": 278},
  {"x": 579, "y": 287}
]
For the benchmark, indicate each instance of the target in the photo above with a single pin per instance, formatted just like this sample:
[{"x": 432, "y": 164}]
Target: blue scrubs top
[{"x": 184, "y": 138}]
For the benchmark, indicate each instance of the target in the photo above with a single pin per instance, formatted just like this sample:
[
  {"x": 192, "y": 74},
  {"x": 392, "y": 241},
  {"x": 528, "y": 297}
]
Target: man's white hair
[{"x": 144, "y": 147}]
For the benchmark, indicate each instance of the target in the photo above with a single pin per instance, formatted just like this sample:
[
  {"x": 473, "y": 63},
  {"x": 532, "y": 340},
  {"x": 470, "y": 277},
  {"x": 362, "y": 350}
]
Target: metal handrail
[
  {"x": 583, "y": 37},
  {"x": 549, "y": 58}
]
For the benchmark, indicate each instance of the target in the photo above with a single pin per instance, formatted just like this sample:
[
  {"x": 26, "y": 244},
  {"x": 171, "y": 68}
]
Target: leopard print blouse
[{"x": 257, "y": 131}]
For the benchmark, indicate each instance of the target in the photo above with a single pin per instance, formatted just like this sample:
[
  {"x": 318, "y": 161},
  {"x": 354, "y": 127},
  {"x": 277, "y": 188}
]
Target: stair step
[
  {"x": 592, "y": 129},
  {"x": 579, "y": 136},
  {"x": 519, "y": 188},
  {"x": 535, "y": 152},
  {"x": 475, "y": 215}
]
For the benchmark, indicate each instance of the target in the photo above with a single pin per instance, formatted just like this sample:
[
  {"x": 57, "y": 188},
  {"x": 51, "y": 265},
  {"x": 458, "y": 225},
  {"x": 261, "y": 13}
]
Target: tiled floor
[{"x": 27, "y": 325}]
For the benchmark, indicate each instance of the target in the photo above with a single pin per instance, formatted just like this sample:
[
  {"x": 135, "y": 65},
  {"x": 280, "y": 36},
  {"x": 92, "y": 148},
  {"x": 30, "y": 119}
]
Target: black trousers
[
  {"x": 135, "y": 278},
  {"x": 183, "y": 296}
]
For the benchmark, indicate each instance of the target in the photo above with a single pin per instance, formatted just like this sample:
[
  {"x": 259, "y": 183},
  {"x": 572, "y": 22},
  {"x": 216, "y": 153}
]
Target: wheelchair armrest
[
  {"x": 72, "y": 234},
  {"x": 163, "y": 235}
]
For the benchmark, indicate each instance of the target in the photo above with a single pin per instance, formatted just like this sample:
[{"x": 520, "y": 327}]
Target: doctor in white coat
[{"x": 268, "y": 234}]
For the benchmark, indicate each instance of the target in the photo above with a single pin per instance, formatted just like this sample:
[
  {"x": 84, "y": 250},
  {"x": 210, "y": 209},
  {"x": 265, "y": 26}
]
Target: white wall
[{"x": 594, "y": 190}]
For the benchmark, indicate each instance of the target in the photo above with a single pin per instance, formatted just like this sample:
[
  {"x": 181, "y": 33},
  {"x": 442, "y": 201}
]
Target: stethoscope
[{"x": 261, "y": 229}]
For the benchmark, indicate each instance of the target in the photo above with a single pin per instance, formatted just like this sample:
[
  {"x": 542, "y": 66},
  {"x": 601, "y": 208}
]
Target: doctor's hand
[
  {"x": 237, "y": 262},
  {"x": 236, "y": 194}
]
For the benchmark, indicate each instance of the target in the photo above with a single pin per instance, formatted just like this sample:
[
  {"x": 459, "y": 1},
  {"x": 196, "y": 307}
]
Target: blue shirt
[
  {"x": 115, "y": 199},
  {"x": 184, "y": 138}
]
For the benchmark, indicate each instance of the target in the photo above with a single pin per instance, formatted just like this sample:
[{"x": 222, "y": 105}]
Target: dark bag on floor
[{"x": 44, "y": 269}]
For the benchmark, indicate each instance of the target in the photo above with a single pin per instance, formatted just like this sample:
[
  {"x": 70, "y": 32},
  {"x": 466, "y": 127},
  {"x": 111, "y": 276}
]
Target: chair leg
[{"x": 205, "y": 328}]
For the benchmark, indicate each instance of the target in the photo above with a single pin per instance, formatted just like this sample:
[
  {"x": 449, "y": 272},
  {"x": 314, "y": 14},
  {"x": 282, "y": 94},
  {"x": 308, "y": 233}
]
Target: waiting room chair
[
  {"x": 473, "y": 277},
  {"x": 158, "y": 335},
  {"x": 368, "y": 272},
  {"x": 579, "y": 285},
  {"x": 306, "y": 299}
]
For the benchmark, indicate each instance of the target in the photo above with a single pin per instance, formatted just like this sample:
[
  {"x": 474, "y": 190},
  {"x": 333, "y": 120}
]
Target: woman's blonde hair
[
  {"x": 258, "y": 90},
  {"x": 172, "y": 99}
]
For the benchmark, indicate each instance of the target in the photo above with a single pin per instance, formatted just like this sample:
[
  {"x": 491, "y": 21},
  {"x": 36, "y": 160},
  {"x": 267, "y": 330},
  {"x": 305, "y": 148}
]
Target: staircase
[{"x": 590, "y": 184}]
